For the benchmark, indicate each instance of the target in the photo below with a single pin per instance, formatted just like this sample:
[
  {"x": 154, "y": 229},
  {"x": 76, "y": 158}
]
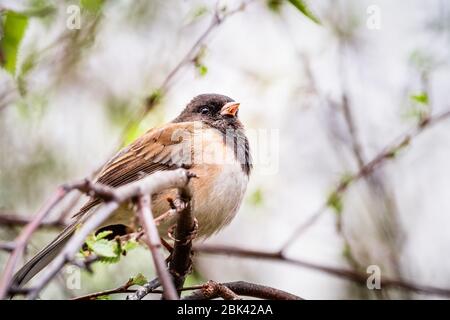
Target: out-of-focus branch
[
  {"x": 113, "y": 198},
  {"x": 351, "y": 126},
  {"x": 338, "y": 272},
  {"x": 387, "y": 153},
  {"x": 12, "y": 220},
  {"x": 22, "y": 240},
  {"x": 20, "y": 243},
  {"x": 154, "y": 244},
  {"x": 231, "y": 290},
  {"x": 218, "y": 18},
  {"x": 7, "y": 246}
]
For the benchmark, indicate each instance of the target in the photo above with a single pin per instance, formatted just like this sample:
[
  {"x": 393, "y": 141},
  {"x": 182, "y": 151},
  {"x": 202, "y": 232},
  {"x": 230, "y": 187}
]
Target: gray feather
[{"x": 43, "y": 258}]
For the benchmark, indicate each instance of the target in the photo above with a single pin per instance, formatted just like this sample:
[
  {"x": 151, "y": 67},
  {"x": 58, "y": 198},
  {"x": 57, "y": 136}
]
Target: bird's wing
[{"x": 163, "y": 148}]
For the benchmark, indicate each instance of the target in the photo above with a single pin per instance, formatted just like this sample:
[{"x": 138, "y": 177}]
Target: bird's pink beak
[{"x": 230, "y": 109}]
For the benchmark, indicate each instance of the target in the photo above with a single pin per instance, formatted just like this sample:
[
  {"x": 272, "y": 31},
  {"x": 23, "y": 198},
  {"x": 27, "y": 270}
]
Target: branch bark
[
  {"x": 180, "y": 263},
  {"x": 154, "y": 244},
  {"x": 231, "y": 290}
]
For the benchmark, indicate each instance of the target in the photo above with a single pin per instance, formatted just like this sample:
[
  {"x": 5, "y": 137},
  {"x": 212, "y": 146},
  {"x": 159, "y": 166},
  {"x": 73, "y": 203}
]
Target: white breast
[
  {"x": 220, "y": 187},
  {"x": 221, "y": 201}
]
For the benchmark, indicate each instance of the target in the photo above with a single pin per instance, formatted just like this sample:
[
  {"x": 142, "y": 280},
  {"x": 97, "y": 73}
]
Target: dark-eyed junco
[{"x": 208, "y": 139}]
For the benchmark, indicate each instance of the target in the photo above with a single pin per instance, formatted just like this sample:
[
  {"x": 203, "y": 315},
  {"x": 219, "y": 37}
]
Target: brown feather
[{"x": 158, "y": 149}]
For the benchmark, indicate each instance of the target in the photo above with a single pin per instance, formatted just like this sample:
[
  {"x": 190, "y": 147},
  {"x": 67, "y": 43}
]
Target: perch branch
[
  {"x": 231, "y": 290},
  {"x": 180, "y": 263},
  {"x": 141, "y": 292}
]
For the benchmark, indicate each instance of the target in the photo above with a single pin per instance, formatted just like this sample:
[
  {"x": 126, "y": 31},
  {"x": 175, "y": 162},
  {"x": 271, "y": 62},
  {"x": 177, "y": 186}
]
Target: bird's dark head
[
  {"x": 220, "y": 112},
  {"x": 216, "y": 110}
]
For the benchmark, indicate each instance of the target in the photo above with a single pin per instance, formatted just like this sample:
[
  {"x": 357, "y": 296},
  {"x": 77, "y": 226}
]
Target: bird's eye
[{"x": 204, "y": 110}]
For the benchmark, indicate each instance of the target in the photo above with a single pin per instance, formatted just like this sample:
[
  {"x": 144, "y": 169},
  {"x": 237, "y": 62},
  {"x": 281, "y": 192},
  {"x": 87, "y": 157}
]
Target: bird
[{"x": 208, "y": 139}]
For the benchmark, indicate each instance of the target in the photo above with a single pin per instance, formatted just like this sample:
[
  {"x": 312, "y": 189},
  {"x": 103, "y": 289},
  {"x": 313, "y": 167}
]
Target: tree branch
[
  {"x": 180, "y": 263},
  {"x": 154, "y": 244},
  {"x": 148, "y": 185},
  {"x": 338, "y": 272},
  {"x": 387, "y": 153},
  {"x": 21, "y": 242},
  {"x": 231, "y": 290},
  {"x": 12, "y": 220}
]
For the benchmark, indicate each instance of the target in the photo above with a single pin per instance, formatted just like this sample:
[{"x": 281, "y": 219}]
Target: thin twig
[
  {"x": 7, "y": 246},
  {"x": 125, "y": 288},
  {"x": 12, "y": 220},
  {"x": 189, "y": 58},
  {"x": 387, "y": 153}
]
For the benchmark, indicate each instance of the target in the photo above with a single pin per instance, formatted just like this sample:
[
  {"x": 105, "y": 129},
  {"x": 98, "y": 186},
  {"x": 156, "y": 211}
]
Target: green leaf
[
  {"x": 202, "y": 69},
  {"x": 103, "y": 247},
  {"x": 103, "y": 234},
  {"x": 347, "y": 251},
  {"x": 134, "y": 131},
  {"x": 154, "y": 98},
  {"x": 421, "y": 98},
  {"x": 304, "y": 8},
  {"x": 139, "y": 280},
  {"x": 93, "y": 6},
  {"x": 130, "y": 245},
  {"x": 39, "y": 9},
  {"x": 256, "y": 198},
  {"x": 105, "y": 297},
  {"x": 335, "y": 202},
  {"x": 14, "y": 25},
  {"x": 200, "y": 11},
  {"x": 275, "y": 5}
]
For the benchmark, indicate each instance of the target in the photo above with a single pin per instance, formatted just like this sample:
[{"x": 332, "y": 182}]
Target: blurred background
[{"x": 326, "y": 98}]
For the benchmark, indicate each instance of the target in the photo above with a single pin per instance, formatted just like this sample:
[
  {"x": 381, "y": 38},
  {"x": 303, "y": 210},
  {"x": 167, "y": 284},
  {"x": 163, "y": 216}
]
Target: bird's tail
[{"x": 44, "y": 257}]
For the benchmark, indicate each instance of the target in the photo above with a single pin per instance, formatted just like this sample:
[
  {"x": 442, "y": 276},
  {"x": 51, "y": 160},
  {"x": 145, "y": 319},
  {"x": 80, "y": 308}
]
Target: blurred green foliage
[
  {"x": 14, "y": 25},
  {"x": 300, "y": 5},
  {"x": 420, "y": 106},
  {"x": 334, "y": 201},
  {"x": 303, "y": 7},
  {"x": 421, "y": 98},
  {"x": 256, "y": 198},
  {"x": 275, "y": 5},
  {"x": 93, "y": 6}
]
